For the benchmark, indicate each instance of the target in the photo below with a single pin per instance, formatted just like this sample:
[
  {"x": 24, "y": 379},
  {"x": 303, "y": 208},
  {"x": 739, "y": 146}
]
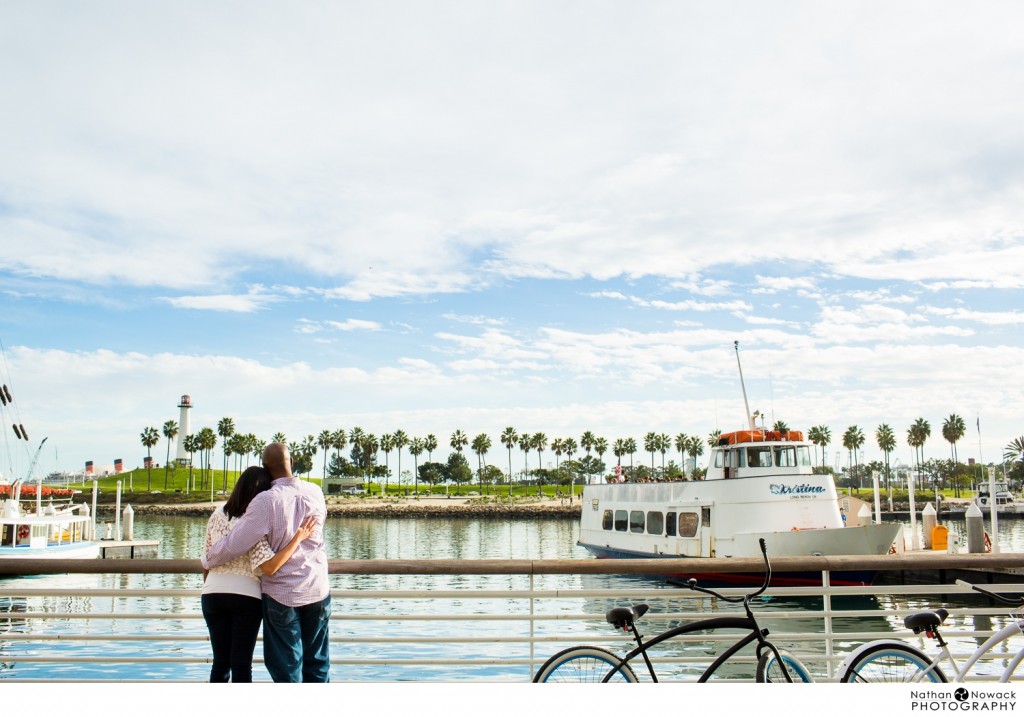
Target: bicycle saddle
[
  {"x": 624, "y": 617},
  {"x": 926, "y": 621}
]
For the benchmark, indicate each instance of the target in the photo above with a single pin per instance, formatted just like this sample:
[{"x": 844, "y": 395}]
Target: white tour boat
[{"x": 759, "y": 484}]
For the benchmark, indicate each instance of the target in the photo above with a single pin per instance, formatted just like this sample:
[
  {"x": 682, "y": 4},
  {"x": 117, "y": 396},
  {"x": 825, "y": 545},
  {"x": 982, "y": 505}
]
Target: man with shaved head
[{"x": 296, "y": 599}]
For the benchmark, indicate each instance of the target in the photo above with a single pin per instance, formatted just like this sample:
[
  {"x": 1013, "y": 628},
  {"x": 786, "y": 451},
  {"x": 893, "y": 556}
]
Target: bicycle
[
  {"x": 895, "y": 661},
  {"x": 585, "y": 663}
]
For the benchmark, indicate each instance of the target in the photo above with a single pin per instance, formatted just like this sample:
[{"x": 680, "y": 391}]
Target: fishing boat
[
  {"x": 759, "y": 484},
  {"x": 53, "y": 530},
  {"x": 30, "y": 528}
]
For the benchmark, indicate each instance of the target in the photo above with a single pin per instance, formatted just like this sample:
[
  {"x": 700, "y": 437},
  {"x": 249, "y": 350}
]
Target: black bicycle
[{"x": 596, "y": 664}]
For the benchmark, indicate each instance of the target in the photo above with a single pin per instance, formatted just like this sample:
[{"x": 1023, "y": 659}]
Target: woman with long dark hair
[{"x": 231, "y": 599}]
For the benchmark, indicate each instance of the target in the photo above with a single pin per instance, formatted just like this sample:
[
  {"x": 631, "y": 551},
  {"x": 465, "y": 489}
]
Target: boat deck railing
[{"x": 427, "y": 620}]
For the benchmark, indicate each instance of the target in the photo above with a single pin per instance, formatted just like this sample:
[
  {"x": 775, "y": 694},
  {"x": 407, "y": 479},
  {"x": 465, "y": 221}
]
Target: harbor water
[{"x": 357, "y": 539}]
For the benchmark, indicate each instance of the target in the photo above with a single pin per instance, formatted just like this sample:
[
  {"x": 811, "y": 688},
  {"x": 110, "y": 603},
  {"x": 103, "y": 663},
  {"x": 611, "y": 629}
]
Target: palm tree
[
  {"x": 917, "y": 434},
  {"x": 481, "y": 444},
  {"x": 664, "y": 444},
  {"x": 558, "y": 448},
  {"x": 207, "y": 442},
  {"x": 1014, "y": 450},
  {"x": 820, "y": 436},
  {"x": 953, "y": 430},
  {"x": 430, "y": 443},
  {"x": 416, "y": 448},
  {"x": 325, "y": 440},
  {"x": 538, "y": 442},
  {"x": 781, "y": 427},
  {"x": 508, "y": 439},
  {"x": 651, "y": 446},
  {"x": 189, "y": 444},
  {"x": 569, "y": 448},
  {"x": 714, "y": 437},
  {"x": 525, "y": 444},
  {"x": 458, "y": 442},
  {"x": 852, "y": 440},
  {"x": 308, "y": 449},
  {"x": 225, "y": 429},
  {"x": 400, "y": 440},
  {"x": 279, "y": 437},
  {"x": 170, "y": 433},
  {"x": 339, "y": 439},
  {"x": 387, "y": 443},
  {"x": 149, "y": 437},
  {"x": 619, "y": 450},
  {"x": 587, "y": 444},
  {"x": 631, "y": 449},
  {"x": 681, "y": 443},
  {"x": 695, "y": 447},
  {"x": 886, "y": 439},
  {"x": 600, "y": 447}
]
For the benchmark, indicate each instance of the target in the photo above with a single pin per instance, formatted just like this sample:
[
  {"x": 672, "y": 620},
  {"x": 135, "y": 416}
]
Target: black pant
[{"x": 234, "y": 622}]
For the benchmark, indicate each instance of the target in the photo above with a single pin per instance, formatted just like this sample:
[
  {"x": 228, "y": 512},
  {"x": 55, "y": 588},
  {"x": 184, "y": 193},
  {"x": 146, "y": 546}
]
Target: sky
[{"x": 554, "y": 216}]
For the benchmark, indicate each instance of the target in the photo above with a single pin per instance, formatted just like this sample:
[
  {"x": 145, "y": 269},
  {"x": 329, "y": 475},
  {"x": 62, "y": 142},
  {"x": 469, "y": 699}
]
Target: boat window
[
  {"x": 636, "y": 521},
  {"x": 759, "y": 457},
  {"x": 785, "y": 456},
  {"x": 655, "y": 523},
  {"x": 670, "y": 524},
  {"x": 38, "y": 531},
  {"x": 803, "y": 456},
  {"x": 719, "y": 458},
  {"x": 736, "y": 459},
  {"x": 621, "y": 521},
  {"x": 607, "y": 520},
  {"x": 705, "y": 516},
  {"x": 688, "y": 524}
]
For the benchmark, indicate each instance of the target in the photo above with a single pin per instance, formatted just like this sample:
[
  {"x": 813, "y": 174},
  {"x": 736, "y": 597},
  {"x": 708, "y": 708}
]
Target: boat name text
[{"x": 802, "y": 489}]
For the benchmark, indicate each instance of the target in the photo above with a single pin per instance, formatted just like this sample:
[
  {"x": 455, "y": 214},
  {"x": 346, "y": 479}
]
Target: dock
[{"x": 128, "y": 549}]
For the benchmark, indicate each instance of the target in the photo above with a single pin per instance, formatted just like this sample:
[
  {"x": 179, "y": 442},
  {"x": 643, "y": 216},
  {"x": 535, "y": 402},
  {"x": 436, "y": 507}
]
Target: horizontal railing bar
[{"x": 664, "y": 566}]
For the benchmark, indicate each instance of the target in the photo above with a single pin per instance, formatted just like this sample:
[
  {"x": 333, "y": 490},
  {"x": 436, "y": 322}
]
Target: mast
[{"x": 750, "y": 419}]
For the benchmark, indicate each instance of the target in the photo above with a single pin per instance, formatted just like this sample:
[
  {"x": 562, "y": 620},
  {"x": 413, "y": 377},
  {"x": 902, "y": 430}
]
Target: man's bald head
[{"x": 277, "y": 460}]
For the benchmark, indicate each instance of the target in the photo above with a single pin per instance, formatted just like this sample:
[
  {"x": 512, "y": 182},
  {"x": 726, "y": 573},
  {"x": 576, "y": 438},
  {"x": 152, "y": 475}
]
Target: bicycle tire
[
  {"x": 583, "y": 664},
  {"x": 770, "y": 670},
  {"x": 892, "y": 662}
]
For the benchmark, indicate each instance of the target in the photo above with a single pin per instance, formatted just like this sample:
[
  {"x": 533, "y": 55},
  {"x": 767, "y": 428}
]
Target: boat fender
[
  {"x": 988, "y": 543},
  {"x": 23, "y": 532}
]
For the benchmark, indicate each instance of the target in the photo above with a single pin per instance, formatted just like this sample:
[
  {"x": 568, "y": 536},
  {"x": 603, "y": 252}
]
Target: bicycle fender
[{"x": 855, "y": 655}]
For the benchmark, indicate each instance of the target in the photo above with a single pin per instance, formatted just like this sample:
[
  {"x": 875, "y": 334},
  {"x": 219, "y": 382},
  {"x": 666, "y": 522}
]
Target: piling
[
  {"x": 975, "y": 530},
  {"x": 928, "y": 522},
  {"x": 127, "y": 523}
]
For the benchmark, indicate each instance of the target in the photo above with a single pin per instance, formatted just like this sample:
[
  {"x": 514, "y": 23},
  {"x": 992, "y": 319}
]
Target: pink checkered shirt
[{"x": 277, "y": 514}]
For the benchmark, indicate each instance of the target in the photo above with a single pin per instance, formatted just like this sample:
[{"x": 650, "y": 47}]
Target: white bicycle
[{"x": 894, "y": 661}]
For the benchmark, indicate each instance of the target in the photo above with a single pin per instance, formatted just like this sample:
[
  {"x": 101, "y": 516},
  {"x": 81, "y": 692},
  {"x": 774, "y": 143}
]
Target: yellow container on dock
[{"x": 940, "y": 537}]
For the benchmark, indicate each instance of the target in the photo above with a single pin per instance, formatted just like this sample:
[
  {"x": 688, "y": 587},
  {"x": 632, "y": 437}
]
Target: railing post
[
  {"x": 826, "y": 605},
  {"x": 533, "y": 666}
]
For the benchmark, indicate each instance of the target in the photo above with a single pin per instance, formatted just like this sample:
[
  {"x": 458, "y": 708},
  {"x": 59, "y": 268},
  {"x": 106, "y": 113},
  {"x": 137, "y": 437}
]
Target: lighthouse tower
[{"x": 184, "y": 427}]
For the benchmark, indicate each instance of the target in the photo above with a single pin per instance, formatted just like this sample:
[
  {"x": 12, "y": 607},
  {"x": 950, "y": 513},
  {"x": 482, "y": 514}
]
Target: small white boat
[
  {"x": 50, "y": 531},
  {"x": 1005, "y": 501}
]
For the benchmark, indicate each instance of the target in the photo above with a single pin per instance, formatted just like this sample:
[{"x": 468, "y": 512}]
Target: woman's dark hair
[{"x": 253, "y": 481}]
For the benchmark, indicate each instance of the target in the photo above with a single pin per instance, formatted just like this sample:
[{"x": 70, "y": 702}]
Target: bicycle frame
[{"x": 755, "y": 633}]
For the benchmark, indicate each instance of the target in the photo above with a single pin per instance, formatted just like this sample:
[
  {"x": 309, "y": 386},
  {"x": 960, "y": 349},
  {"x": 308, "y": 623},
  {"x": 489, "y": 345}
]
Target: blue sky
[{"x": 552, "y": 216}]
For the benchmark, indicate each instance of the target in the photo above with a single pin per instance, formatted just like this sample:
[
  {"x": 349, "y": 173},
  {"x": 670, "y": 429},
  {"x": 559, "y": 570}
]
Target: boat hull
[
  {"x": 84, "y": 550},
  {"x": 785, "y": 579}
]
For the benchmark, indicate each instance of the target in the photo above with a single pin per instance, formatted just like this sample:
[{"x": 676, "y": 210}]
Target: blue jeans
[
  {"x": 234, "y": 622},
  {"x": 295, "y": 641}
]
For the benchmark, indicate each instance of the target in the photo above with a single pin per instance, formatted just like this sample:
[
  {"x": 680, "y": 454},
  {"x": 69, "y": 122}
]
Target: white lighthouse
[{"x": 184, "y": 427}]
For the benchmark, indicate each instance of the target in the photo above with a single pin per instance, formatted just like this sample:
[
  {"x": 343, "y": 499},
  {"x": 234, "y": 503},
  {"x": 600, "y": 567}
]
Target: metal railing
[{"x": 471, "y": 620}]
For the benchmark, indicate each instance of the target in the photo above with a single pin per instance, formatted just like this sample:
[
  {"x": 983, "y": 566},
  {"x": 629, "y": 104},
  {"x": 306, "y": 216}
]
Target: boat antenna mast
[{"x": 746, "y": 405}]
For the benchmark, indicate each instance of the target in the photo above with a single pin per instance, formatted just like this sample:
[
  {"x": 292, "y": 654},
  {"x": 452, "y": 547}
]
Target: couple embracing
[{"x": 265, "y": 561}]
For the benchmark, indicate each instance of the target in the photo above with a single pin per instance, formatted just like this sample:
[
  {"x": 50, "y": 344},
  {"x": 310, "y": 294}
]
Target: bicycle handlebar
[
  {"x": 1019, "y": 600},
  {"x": 692, "y": 583}
]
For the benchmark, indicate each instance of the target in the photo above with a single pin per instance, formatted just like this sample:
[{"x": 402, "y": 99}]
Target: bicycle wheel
[
  {"x": 583, "y": 664},
  {"x": 892, "y": 662},
  {"x": 769, "y": 669}
]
